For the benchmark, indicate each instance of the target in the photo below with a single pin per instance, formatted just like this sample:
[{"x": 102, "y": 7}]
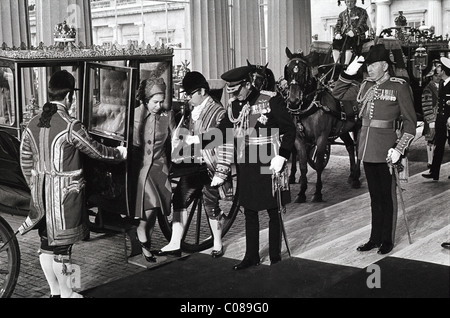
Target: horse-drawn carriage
[
  {"x": 106, "y": 79},
  {"x": 321, "y": 120}
]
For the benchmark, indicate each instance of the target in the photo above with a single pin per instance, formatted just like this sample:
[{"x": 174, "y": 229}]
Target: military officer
[
  {"x": 383, "y": 101},
  {"x": 442, "y": 118},
  {"x": 259, "y": 119}
]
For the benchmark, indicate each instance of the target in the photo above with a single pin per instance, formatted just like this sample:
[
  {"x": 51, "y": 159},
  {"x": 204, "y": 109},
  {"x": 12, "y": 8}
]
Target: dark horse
[
  {"x": 320, "y": 120},
  {"x": 262, "y": 77}
]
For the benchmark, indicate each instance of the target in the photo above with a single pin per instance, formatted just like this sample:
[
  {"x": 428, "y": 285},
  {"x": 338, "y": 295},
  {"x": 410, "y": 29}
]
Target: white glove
[
  {"x": 351, "y": 33},
  {"x": 393, "y": 156},
  {"x": 192, "y": 140},
  {"x": 354, "y": 66},
  {"x": 123, "y": 151},
  {"x": 216, "y": 182},
  {"x": 338, "y": 37},
  {"x": 277, "y": 163}
]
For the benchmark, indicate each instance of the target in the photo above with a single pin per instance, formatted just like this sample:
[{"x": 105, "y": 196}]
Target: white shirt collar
[
  {"x": 195, "y": 115},
  {"x": 58, "y": 103}
]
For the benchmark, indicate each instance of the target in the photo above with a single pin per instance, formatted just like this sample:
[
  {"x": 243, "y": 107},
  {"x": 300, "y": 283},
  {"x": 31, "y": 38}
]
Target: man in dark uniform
[
  {"x": 262, "y": 119},
  {"x": 265, "y": 134},
  {"x": 383, "y": 100},
  {"x": 441, "y": 123}
]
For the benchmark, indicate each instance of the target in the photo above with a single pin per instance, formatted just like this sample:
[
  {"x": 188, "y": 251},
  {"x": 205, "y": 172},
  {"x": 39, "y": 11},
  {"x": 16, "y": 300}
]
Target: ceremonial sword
[
  {"x": 397, "y": 180},
  {"x": 281, "y": 208}
]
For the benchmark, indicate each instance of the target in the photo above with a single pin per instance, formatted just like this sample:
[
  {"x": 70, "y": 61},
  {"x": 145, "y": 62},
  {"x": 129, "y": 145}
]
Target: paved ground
[{"x": 102, "y": 258}]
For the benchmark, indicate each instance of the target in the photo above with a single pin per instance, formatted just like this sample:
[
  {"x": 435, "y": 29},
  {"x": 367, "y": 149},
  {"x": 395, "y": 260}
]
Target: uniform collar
[{"x": 446, "y": 81}]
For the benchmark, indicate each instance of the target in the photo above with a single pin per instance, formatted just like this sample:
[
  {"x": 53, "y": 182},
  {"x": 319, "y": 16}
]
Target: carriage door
[{"x": 107, "y": 114}]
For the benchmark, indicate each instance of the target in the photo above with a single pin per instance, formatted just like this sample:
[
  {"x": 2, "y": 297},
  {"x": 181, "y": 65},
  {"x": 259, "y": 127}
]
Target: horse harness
[{"x": 344, "y": 115}]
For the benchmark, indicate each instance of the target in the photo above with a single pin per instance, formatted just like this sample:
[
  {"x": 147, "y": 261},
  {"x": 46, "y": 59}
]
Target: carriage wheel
[
  {"x": 9, "y": 260},
  {"x": 198, "y": 235},
  {"x": 312, "y": 156}
]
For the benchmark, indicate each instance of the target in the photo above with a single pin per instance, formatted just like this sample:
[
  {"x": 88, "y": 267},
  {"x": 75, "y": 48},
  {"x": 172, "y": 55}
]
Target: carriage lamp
[{"x": 420, "y": 62}]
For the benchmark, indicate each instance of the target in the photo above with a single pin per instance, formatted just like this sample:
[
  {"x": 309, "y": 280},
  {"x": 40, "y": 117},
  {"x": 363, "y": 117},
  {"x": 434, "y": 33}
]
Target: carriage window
[
  {"x": 34, "y": 92},
  {"x": 7, "y": 104},
  {"x": 109, "y": 98}
]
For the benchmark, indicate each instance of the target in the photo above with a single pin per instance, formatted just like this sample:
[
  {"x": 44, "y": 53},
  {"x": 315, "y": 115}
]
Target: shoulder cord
[
  {"x": 241, "y": 124},
  {"x": 368, "y": 97}
]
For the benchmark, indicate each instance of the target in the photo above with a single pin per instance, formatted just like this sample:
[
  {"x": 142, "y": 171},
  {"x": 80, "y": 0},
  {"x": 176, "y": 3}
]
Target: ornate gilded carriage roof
[{"x": 69, "y": 50}]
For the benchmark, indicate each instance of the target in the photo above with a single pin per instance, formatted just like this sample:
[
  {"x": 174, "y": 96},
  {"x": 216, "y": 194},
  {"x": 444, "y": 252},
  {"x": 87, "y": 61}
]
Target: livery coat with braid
[
  {"x": 429, "y": 107},
  {"x": 51, "y": 161}
]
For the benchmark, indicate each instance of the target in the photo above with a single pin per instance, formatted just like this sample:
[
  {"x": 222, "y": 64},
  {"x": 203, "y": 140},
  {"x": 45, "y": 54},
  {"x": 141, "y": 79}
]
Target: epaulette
[
  {"x": 398, "y": 80},
  {"x": 269, "y": 93}
]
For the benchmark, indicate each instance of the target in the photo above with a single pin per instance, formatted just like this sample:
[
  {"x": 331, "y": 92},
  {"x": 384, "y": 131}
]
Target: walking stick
[
  {"x": 397, "y": 180},
  {"x": 281, "y": 208}
]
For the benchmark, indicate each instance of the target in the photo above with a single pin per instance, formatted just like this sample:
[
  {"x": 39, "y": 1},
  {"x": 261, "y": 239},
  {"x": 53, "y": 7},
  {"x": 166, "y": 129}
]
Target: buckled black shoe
[
  {"x": 385, "y": 248},
  {"x": 446, "y": 245},
  {"x": 430, "y": 176},
  {"x": 217, "y": 254},
  {"x": 367, "y": 247},
  {"x": 246, "y": 263},
  {"x": 176, "y": 253}
]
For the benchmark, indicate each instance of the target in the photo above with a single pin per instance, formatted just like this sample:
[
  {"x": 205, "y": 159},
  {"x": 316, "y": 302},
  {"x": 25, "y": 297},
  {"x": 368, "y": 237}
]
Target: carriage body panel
[{"x": 25, "y": 75}]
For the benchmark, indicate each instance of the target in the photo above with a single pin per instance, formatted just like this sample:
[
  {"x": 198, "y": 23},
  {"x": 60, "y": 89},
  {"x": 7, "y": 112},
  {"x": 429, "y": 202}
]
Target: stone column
[
  {"x": 383, "y": 15},
  {"x": 210, "y": 37},
  {"x": 435, "y": 16},
  {"x": 246, "y": 30},
  {"x": 14, "y": 23},
  {"x": 141, "y": 26},
  {"x": 75, "y": 12},
  {"x": 289, "y": 26}
]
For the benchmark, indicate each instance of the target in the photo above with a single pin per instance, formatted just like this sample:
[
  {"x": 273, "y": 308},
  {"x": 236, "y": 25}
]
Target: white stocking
[
  {"x": 63, "y": 279},
  {"x": 46, "y": 261},
  {"x": 178, "y": 226},
  {"x": 430, "y": 152},
  {"x": 336, "y": 56},
  {"x": 348, "y": 57},
  {"x": 216, "y": 229}
]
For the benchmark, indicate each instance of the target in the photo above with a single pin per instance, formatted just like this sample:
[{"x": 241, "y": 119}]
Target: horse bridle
[{"x": 295, "y": 81}]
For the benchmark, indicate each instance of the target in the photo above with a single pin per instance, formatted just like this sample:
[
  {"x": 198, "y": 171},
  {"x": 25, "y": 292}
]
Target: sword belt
[{"x": 377, "y": 123}]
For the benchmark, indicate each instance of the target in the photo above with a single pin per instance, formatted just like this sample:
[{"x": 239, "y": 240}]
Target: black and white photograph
[{"x": 224, "y": 156}]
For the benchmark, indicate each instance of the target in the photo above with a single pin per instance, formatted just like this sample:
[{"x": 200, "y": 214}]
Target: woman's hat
[
  {"x": 150, "y": 87},
  {"x": 193, "y": 81},
  {"x": 378, "y": 53}
]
